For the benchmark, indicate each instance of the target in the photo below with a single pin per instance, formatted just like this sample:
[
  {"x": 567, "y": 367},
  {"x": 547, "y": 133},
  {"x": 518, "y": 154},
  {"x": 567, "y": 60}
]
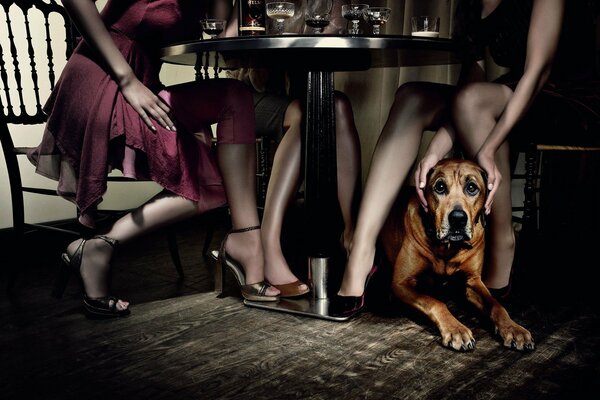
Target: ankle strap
[
  {"x": 251, "y": 228},
  {"x": 112, "y": 242}
]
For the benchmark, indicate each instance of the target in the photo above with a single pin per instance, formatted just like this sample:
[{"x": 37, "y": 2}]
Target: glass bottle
[{"x": 252, "y": 18}]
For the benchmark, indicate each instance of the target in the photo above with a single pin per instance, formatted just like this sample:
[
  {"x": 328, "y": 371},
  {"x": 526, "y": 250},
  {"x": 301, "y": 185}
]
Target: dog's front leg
[
  {"x": 513, "y": 335},
  {"x": 406, "y": 272}
]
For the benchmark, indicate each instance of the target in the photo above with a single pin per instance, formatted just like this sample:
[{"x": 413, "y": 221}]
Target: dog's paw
[
  {"x": 516, "y": 337},
  {"x": 458, "y": 337}
]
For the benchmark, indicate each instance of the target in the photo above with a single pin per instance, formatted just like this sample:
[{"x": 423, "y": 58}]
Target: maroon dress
[{"x": 91, "y": 128}]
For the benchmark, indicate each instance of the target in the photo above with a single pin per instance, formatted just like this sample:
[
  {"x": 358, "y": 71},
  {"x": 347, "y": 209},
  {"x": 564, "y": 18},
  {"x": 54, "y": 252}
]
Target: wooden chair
[
  {"x": 558, "y": 131},
  {"x": 40, "y": 38}
]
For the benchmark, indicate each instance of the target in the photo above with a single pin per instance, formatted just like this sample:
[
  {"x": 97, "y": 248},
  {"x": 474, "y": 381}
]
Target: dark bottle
[{"x": 252, "y": 18}]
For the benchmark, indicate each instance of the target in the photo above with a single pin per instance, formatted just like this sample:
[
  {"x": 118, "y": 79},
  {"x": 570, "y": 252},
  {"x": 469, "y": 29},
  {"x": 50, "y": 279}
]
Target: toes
[
  {"x": 122, "y": 305},
  {"x": 459, "y": 341},
  {"x": 516, "y": 338}
]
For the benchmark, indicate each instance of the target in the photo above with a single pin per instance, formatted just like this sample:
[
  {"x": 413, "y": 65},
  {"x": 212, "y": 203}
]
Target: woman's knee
[
  {"x": 293, "y": 115},
  {"x": 468, "y": 99},
  {"x": 234, "y": 91},
  {"x": 343, "y": 107},
  {"x": 423, "y": 100}
]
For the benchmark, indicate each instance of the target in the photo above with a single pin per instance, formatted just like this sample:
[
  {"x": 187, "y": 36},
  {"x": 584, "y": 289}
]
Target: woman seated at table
[
  {"x": 550, "y": 59},
  {"x": 279, "y": 117},
  {"x": 109, "y": 110}
]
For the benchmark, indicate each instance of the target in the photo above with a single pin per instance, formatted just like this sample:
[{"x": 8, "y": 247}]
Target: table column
[{"x": 320, "y": 178}]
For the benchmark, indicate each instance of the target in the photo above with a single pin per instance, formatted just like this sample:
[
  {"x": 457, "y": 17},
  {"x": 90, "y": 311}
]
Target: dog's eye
[
  {"x": 471, "y": 189},
  {"x": 439, "y": 187}
]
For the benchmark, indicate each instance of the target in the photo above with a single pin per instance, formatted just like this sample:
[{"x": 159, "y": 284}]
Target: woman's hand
[
  {"x": 148, "y": 105},
  {"x": 423, "y": 168},
  {"x": 485, "y": 159}
]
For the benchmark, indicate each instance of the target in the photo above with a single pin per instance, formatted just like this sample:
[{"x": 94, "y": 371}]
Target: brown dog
[{"x": 447, "y": 240}]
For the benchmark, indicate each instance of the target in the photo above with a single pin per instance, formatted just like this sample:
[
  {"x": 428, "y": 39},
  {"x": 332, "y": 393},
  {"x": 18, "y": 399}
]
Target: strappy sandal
[
  {"x": 100, "y": 307},
  {"x": 252, "y": 291}
]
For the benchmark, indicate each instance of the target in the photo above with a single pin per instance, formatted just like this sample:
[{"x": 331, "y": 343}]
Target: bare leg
[
  {"x": 283, "y": 185},
  {"x": 348, "y": 164},
  {"x": 237, "y": 163},
  {"x": 477, "y": 109},
  {"x": 162, "y": 210},
  {"x": 394, "y": 155},
  {"x": 285, "y": 180}
]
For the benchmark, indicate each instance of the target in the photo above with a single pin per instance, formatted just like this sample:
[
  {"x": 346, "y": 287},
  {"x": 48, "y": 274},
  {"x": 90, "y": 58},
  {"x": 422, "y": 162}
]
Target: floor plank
[{"x": 184, "y": 342}]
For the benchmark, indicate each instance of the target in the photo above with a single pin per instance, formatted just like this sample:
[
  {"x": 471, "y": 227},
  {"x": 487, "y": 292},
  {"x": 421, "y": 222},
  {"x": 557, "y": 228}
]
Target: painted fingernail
[{"x": 173, "y": 128}]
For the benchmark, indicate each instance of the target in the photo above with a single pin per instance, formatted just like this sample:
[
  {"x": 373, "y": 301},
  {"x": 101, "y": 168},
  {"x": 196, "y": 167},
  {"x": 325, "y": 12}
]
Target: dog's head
[{"x": 455, "y": 194}]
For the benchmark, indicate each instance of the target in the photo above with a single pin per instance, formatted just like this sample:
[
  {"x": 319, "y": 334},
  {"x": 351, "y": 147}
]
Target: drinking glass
[
  {"x": 213, "y": 26},
  {"x": 280, "y": 11},
  {"x": 317, "y": 14},
  {"x": 425, "y": 26},
  {"x": 353, "y": 13},
  {"x": 377, "y": 17}
]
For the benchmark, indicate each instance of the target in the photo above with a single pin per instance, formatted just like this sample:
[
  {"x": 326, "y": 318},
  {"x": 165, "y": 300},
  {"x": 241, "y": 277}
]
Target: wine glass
[
  {"x": 280, "y": 11},
  {"x": 213, "y": 26},
  {"x": 377, "y": 17},
  {"x": 353, "y": 13},
  {"x": 317, "y": 14}
]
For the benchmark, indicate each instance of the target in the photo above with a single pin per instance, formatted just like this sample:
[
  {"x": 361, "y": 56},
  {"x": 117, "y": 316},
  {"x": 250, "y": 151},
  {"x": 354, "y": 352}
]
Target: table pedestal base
[
  {"x": 314, "y": 304},
  {"x": 305, "y": 306}
]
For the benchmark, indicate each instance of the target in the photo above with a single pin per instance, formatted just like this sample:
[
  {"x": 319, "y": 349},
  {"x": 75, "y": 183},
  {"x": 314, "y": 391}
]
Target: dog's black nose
[{"x": 457, "y": 219}]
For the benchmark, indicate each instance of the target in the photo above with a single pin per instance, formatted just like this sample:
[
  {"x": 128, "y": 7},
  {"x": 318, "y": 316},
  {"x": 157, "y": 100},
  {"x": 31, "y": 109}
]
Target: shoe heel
[{"x": 64, "y": 274}]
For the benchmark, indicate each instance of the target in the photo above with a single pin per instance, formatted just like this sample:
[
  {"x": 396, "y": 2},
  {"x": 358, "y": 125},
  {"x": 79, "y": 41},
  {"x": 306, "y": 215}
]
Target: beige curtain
[{"x": 372, "y": 91}]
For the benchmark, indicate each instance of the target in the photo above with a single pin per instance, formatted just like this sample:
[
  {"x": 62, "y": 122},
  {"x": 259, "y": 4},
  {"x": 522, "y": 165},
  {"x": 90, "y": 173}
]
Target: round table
[{"x": 318, "y": 56}]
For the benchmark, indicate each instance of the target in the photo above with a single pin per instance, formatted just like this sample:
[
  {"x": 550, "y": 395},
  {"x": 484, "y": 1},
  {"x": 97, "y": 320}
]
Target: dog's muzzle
[{"x": 457, "y": 227}]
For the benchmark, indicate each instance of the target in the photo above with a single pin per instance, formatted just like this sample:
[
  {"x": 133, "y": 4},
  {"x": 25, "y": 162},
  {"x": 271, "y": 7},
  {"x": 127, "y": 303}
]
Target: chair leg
[
  {"x": 530, "y": 202},
  {"x": 174, "y": 250}
]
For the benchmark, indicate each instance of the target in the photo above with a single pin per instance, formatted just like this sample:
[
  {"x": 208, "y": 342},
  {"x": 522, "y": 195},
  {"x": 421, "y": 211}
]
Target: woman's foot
[
  {"x": 246, "y": 249},
  {"x": 360, "y": 264},
  {"x": 279, "y": 274},
  {"x": 94, "y": 270}
]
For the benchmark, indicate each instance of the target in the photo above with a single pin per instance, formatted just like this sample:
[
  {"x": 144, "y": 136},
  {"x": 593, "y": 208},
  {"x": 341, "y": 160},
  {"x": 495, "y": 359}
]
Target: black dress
[{"x": 568, "y": 107}]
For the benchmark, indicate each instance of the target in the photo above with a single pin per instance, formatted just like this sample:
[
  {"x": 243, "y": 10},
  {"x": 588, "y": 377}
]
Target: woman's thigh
[{"x": 226, "y": 102}]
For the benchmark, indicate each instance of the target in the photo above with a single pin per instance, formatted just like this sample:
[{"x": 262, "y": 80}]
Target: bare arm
[
  {"x": 86, "y": 17},
  {"x": 232, "y": 17},
  {"x": 542, "y": 43}
]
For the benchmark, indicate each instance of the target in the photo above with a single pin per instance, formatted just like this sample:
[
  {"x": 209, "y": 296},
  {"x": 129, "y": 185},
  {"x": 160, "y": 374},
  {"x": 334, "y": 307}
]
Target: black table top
[{"x": 315, "y": 52}]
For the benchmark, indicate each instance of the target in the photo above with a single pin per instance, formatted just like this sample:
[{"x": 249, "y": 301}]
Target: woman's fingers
[
  {"x": 494, "y": 179},
  {"x": 148, "y": 105},
  {"x": 161, "y": 116},
  {"x": 420, "y": 185}
]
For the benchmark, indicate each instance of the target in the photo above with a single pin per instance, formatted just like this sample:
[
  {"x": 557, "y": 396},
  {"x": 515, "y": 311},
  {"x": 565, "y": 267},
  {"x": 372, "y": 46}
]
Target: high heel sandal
[
  {"x": 100, "y": 307},
  {"x": 291, "y": 289},
  {"x": 347, "y": 306},
  {"x": 252, "y": 291}
]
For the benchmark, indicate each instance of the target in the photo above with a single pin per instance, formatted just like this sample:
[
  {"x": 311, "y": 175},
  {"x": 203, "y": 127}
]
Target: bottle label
[{"x": 252, "y": 17}]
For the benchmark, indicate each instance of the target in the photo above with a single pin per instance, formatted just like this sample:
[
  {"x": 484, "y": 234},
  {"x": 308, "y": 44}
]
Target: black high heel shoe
[
  {"x": 254, "y": 291},
  {"x": 348, "y": 306},
  {"x": 101, "y": 307}
]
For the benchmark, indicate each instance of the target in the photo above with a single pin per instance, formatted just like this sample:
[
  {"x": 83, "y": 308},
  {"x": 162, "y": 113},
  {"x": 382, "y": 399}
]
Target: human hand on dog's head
[{"x": 423, "y": 168}]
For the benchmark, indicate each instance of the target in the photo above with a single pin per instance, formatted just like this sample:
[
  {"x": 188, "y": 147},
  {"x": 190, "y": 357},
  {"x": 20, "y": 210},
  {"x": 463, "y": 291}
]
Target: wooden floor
[{"x": 182, "y": 342}]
